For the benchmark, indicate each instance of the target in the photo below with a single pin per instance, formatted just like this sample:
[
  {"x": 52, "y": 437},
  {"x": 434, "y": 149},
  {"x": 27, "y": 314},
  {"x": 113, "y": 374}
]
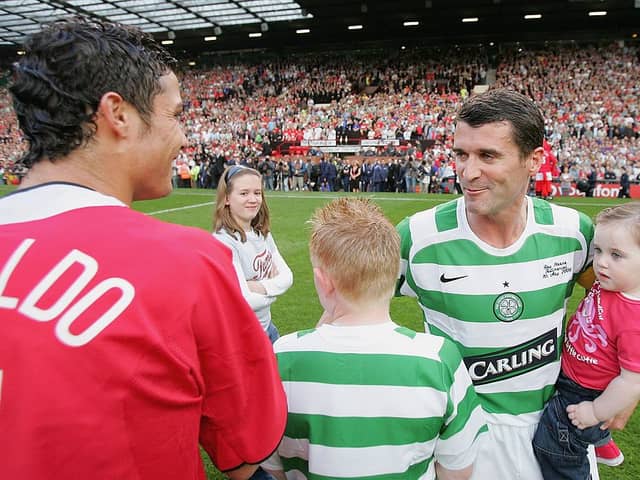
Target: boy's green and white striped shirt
[
  {"x": 504, "y": 308},
  {"x": 375, "y": 401}
]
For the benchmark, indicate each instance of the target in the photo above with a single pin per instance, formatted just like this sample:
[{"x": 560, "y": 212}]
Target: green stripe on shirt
[
  {"x": 359, "y": 432},
  {"x": 480, "y": 308},
  {"x": 360, "y": 369},
  {"x": 414, "y": 472},
  {"x": 465, "y": 252}
]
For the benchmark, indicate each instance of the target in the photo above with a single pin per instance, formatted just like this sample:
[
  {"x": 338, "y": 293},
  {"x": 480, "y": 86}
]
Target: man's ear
[
  {"x": 114, "y": 114},
  {"x": 535, "y": 160}
]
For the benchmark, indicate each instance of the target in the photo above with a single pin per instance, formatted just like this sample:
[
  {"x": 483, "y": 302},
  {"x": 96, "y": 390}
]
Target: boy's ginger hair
[{"x": 357, "y": 246}]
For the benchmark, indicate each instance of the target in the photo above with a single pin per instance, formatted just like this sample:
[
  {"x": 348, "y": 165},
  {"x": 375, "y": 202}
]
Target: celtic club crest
[{"x": 508, "y": 307}]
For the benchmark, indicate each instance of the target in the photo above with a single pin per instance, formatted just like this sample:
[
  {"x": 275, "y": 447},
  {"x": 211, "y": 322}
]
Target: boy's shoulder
[
  {"x": 285, "y": 342},
  {"x": 391, "y": 339}
]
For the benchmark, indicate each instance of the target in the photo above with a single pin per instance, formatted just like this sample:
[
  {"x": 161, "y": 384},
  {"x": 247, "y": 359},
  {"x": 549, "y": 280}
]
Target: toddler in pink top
[{"x": 600, "y": 375}]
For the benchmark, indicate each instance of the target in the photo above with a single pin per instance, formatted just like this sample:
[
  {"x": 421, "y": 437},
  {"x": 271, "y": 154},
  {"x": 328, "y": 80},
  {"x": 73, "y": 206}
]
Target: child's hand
[
  {"x": 256, "y": 287},
  {"x": 582, "y": 415}
]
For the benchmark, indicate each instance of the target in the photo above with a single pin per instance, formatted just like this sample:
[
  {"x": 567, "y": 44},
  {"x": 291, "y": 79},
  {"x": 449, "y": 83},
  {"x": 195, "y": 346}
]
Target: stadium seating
[{"x": 386, "y": 103}]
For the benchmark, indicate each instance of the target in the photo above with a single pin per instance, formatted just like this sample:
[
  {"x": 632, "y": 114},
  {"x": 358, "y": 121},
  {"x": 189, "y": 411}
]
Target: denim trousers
[
  {"x": 559, "y": 446},
  {"x": 260, "y": 474},
  {"x": 410, "y": 183},
  {"x": 272, "y": 332}
]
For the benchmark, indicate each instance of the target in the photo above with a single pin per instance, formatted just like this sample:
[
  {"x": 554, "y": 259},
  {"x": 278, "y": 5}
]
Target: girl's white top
[{"x": 254, "y": 260}]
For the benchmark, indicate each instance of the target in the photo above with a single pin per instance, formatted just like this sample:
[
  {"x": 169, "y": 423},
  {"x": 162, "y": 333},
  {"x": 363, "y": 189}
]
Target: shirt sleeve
[
  {"x": 628, "y": 345},
  {"x": 284, "y": 279},
  {"x": 464, "y": 426},
  {"x": 402, "y": 287},
  {"x": 243, "y": 403},
  {"x": 587, "y": 230}
]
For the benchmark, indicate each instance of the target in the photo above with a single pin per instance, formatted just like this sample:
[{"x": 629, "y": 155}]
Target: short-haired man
[
  {"x": 125, "y": 341},
  {"x": 493, "y": 271}
]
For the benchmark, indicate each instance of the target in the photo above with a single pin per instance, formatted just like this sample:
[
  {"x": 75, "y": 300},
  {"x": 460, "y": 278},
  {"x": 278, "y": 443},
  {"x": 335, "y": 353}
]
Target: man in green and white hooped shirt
[
  {"x": 366, "y": 397},
  {"x": 493, "y": 271}
]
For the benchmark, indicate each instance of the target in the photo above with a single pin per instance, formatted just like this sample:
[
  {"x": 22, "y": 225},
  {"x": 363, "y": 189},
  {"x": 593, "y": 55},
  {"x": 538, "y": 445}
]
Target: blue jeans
[
  {"x": 410, "y": 183},
  {"x": 260, "y": 474},
  {"x": 272, "y": 333},
  {"x": 559, "y": 446}
]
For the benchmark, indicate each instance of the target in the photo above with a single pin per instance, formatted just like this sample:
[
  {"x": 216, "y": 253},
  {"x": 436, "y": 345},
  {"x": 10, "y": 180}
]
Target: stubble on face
[
  {"x": 490, "y": 166},
  {"x": 160, "y": 140}
]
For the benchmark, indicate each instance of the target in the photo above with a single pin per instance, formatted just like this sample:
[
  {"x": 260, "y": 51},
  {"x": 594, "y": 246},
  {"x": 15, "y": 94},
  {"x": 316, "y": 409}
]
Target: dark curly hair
[{"x": 67, "y": 68}]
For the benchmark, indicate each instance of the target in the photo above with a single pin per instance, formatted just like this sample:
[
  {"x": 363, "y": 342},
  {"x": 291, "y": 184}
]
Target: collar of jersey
[{"x": 49, "y": 199}]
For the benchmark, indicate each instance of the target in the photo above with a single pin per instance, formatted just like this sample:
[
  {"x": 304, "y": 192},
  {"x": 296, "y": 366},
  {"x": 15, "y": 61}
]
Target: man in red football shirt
[{"x": 125, "y": 340}]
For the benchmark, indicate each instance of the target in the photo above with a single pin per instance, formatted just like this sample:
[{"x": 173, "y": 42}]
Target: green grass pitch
[{"x": 299, "y": 307}]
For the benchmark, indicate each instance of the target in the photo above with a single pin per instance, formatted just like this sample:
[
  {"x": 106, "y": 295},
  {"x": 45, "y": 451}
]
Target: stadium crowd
[
  {"x": 11, "y": 143},
  {"x": 253, "y": 111}
]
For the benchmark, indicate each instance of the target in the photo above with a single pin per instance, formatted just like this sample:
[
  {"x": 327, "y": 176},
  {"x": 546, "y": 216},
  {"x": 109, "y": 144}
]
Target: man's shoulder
[
  {"x": 125, "y": 243},
  {"x": 398, "y": 340},
  {"x": 550, "y": 215},
  {"x": 434, "y": 220},
  {"x": 181, "y": 233},
  {"x": 141, "y": 232}
]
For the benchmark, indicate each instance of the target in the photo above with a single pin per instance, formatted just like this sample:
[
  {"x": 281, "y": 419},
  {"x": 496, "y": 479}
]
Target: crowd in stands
[
  {"x": 252, "y": 111},
  {"x": 11, "y": 144},
  {"x": 590, "y": 97}
]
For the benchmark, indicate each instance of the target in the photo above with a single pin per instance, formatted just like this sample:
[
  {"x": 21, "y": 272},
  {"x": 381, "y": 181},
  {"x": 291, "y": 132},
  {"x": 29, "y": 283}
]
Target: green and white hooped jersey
[
  {"x": 375, "y": 401},
  {"x": 504, "y": 308}
]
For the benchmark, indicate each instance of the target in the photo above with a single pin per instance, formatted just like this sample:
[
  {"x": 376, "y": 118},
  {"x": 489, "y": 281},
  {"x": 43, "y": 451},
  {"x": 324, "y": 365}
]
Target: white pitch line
[
  {"x": 412, "y": 198},
  {"x": 305, "y": 196},
  {"x": 330, "y": 196},
  {"x": 177, "y": 209},
  {"x": 316, "y": 195}
]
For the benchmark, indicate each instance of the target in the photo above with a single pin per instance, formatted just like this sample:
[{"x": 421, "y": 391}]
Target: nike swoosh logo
[{"x": 444, "y": 279}]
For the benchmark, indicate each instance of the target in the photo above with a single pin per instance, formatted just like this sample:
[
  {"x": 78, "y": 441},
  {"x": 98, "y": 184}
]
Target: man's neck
[
  {"x": 73, "y": 169},
  {"x": 500, "y": 231}
]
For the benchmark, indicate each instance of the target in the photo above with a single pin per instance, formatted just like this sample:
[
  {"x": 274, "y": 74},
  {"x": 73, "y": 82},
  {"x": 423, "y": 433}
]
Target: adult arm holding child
[{"x": 622, "y": 393}]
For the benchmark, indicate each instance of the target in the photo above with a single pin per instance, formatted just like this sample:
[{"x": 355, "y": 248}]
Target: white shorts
[{"x": 506, "y": 454}]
